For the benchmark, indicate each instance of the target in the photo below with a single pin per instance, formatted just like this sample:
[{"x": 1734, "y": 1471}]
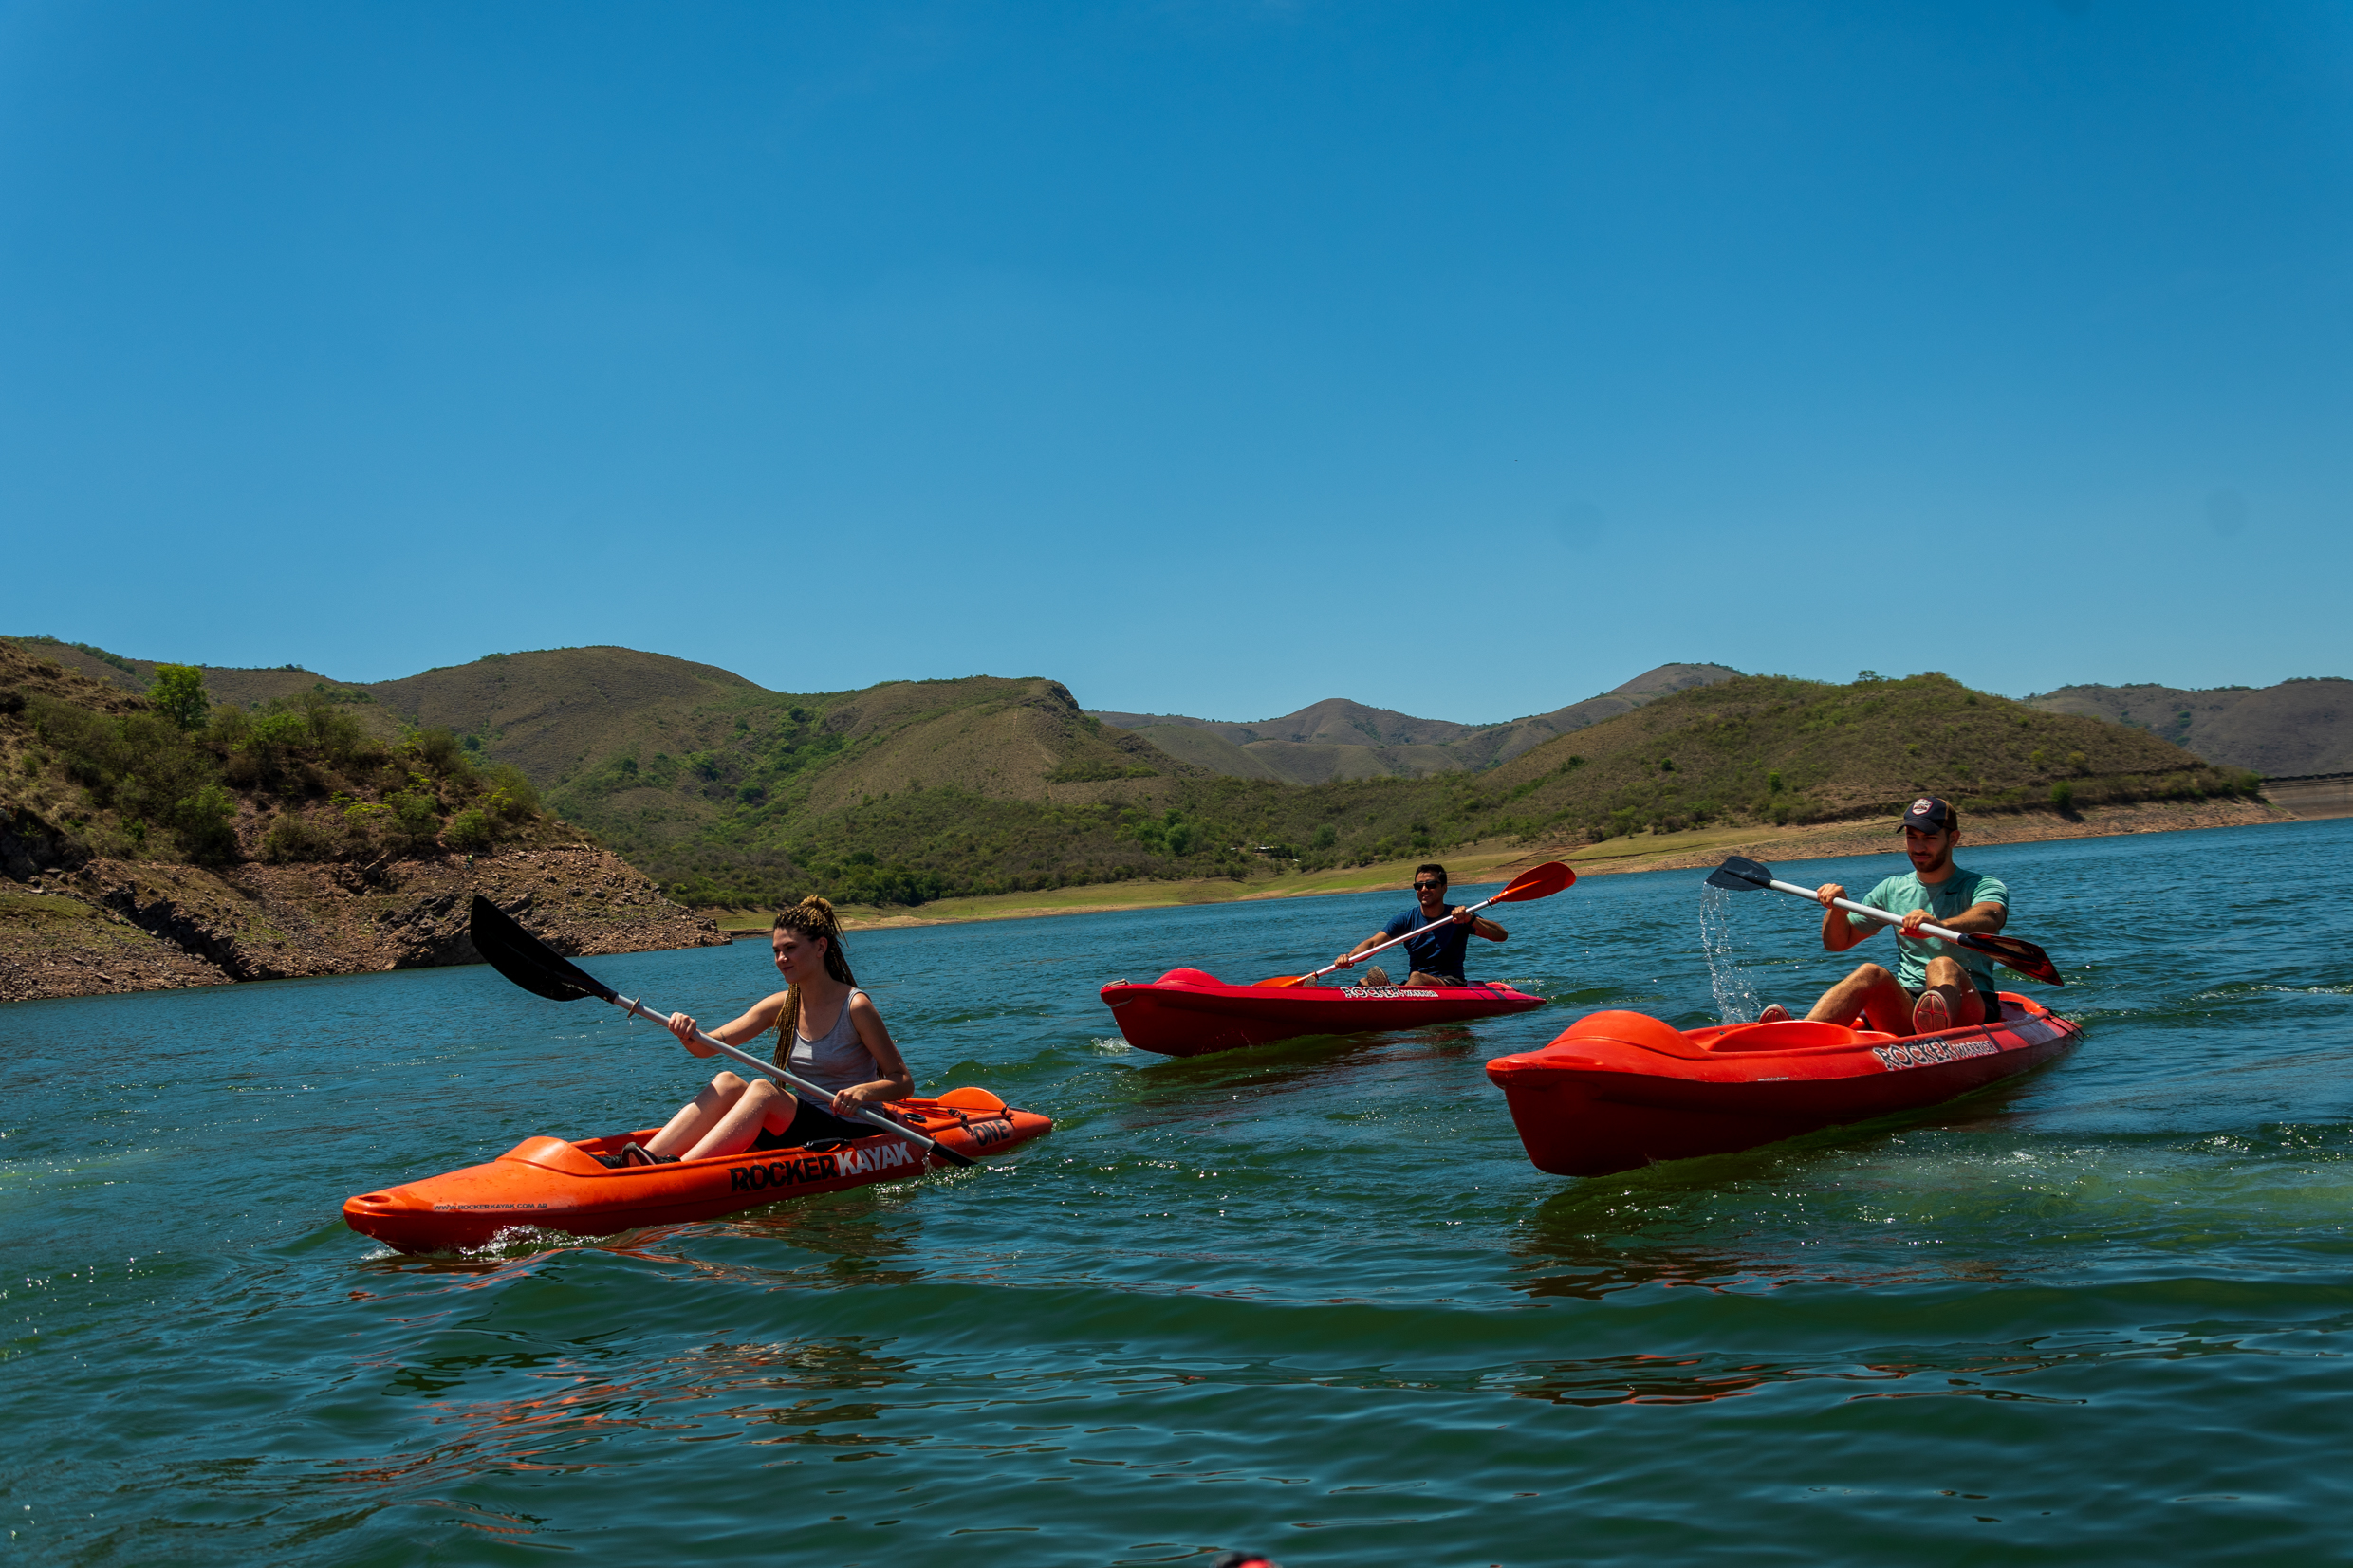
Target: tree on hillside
[{"x": 178, "y": 694}]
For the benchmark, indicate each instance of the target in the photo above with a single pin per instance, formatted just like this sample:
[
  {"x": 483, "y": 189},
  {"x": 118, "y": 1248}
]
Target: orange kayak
[
  {"x": 549, "y": 1184},
  {"x": 1617, "y": 1089}
]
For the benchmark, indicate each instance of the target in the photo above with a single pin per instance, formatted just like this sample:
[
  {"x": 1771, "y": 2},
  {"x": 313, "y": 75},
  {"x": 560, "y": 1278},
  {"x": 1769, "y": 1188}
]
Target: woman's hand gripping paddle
[
  {"x": 1535, "y": 882},
  {"x": 530, "y": 964},
  {"x": 1741, "y": 875}
]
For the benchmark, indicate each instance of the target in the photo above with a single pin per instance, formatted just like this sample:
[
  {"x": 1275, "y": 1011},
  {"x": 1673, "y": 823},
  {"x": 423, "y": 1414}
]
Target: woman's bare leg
[
  {"x": 756, "y": 1107},
  {"x": 697, "y": 1117},
  {"x": 1871, "y": 991}
]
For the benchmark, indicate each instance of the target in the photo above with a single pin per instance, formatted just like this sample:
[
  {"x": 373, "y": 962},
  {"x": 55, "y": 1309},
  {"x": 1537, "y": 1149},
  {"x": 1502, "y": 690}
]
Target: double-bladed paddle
[
  {"x": 530, "y": 964},
  {"x": 1742, "y": 874},
  {"x": 1535, "y": 882}
]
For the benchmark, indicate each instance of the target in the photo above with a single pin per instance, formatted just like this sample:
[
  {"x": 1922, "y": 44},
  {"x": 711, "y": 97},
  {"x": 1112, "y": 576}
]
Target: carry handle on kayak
[
  {"x": 532, "y": 964},
  {"x": 1535, "y": 882},
  {"x": 1742, "y": 874}
]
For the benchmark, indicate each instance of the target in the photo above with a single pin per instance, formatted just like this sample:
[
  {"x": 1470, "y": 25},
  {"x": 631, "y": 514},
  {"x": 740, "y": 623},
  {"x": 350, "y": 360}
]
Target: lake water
[{"x": 1309, "y": 1298}]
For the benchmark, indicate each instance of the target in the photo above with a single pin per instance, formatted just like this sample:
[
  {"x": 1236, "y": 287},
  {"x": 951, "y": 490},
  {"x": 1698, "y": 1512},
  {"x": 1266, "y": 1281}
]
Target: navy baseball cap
[{"x": 1931, "y": 815}]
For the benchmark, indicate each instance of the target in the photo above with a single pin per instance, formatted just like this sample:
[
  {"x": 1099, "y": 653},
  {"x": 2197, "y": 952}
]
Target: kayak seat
[{"x": 1794, "y": 1034}]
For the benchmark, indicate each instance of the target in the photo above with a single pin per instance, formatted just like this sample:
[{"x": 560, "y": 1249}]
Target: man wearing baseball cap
[{"x": 1936, "y": 985}]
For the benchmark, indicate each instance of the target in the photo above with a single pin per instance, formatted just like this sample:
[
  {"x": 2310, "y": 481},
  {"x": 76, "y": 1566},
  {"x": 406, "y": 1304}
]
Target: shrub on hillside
[
  {"x": 178, "y": 694},
  {"x": 293, "y": 837},
  {"x": 443, "y": 752},
  {"x": 511, "y": 797}
]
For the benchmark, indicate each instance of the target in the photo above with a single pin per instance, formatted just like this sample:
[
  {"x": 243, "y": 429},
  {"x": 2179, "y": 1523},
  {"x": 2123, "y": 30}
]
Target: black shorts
[{"x": 811, "y": 1125}]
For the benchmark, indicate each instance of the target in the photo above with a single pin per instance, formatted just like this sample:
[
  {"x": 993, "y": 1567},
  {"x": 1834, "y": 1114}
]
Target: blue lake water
[{"x": 1309, "y": 1298}]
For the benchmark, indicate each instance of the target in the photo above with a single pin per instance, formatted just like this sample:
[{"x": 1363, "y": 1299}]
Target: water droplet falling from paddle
[{"x": 1735, "y": 994}]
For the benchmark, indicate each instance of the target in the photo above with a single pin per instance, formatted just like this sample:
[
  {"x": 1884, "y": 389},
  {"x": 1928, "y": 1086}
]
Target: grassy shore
[{"x": 1491, "y": 864}]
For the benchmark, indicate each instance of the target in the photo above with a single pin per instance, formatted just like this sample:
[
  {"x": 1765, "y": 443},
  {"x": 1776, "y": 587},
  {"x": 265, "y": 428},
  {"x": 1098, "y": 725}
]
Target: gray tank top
[{"x": 836, "y": 1060}]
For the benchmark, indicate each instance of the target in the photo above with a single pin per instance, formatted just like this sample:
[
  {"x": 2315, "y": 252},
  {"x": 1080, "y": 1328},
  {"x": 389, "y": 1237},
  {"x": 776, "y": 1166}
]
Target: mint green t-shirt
[{"x": 1942, "y": 900}]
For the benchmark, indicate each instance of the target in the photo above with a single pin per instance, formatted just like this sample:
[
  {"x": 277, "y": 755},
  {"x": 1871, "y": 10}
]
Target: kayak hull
[
  {"x": 549, "y": 1184},
  {"x": 1619, "y": 1090},
  {"x": 1186, "y": 1012}
]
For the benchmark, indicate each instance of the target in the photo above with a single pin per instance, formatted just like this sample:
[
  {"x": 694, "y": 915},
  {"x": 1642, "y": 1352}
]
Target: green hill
[
  {"x": 728, "y": 793},
  {"x": 2298, "y": 726},
  {"x": 883, "y": 819}
]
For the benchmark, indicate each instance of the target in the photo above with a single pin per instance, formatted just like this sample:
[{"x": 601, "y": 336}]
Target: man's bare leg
[
  {"x": 1963, "y": 1006},
  {"x": 1871, "y": 991}
]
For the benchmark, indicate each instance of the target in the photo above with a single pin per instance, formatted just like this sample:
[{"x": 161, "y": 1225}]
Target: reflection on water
[{"x": 1309, "y": 1298}]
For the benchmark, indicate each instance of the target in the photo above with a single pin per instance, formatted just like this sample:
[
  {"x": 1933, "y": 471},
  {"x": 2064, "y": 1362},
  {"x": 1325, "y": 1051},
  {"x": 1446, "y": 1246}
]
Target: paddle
[
  {"x": 1535, "y": 882},
  {"x": 1742, "y": 874},
  {"x": 528, "y": 962}
]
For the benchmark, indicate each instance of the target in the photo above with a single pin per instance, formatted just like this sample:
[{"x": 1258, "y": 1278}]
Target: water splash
[{"x": 1735, "y": 995}]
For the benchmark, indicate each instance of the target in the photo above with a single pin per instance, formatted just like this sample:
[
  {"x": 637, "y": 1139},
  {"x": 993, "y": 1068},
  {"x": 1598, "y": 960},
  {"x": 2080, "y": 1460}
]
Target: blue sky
[{"x": 1210, "y": 358}]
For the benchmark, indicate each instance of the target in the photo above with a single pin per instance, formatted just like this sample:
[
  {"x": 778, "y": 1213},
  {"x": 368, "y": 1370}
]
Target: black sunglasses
[{"x": 1425, "y": 887}]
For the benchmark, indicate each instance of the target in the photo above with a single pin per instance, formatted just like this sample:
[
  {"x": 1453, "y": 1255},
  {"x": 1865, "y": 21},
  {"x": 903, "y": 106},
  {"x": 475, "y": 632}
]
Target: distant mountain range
[
  {"x": 2298, "y": 726},
  {"x": 1340, "y": 739},
  {"x": 726, "y": 792}
]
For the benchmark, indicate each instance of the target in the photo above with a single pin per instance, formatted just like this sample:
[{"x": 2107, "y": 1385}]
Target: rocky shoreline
[{"x": 115, "y": 926}]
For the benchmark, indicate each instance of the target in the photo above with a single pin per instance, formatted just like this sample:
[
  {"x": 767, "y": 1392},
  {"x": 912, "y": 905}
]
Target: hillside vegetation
[
  {"x": 902, "y": 795},
  {"x": 88, "y": 770},
  {"x": 727, "y": 793},
  {"x": 2298, "y": 726}
]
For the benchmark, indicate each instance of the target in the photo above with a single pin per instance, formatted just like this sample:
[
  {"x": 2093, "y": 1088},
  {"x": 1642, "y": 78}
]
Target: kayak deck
[
  {"x": 551, "y": 1183},
  {"x": 1619, "y": 1090},
  {"x": 1187, "y": 1012}
]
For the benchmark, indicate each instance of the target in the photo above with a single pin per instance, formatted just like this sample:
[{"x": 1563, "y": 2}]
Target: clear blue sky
[{"x": 1210, "y": 358}]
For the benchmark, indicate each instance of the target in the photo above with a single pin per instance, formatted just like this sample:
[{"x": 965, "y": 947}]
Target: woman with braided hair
[{"x": 827, "y": 1033}]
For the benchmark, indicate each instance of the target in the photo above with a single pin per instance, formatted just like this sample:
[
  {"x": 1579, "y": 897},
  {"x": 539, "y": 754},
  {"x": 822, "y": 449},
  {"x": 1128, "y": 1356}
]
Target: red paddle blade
[
  {"x": 2024, "y": 957},
  {"x": 1537, "y": 882},
  {"x": 1281, "y": 980}
]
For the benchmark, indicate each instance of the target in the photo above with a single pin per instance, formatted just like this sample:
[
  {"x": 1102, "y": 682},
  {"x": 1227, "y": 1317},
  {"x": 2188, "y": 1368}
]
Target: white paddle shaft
[
  {"x": 1356, "y": 958},
  {"x": 801, "y": 1086},
  {"x": 1947, "y": 932}
]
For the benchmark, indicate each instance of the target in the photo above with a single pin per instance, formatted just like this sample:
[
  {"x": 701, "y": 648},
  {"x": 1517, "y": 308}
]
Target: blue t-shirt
[
  {"x": 1440, "y": 952},
  {"x": 1942, "y": 900}
]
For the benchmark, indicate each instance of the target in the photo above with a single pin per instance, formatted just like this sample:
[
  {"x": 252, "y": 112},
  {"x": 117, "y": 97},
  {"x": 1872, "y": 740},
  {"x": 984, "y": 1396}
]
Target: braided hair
[{"x": 811, "y": 917}]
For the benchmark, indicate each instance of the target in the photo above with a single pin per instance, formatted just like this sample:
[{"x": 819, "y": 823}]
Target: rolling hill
[
  {"x": 2298, "y": 726},
  {"x": 728, "y": 793},
  {"x": 1340, "y": 739}
]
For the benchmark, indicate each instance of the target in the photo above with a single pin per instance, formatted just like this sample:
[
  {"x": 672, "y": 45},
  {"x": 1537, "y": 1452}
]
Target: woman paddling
[{"x": 827, "y": 1033}]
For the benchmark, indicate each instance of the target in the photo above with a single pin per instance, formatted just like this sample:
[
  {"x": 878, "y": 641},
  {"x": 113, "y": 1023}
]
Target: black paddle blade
[
  {"x": 526, "y": 960},
  {"x": 1741, "y": 875},
  {"x": 2024, "y": 957}
]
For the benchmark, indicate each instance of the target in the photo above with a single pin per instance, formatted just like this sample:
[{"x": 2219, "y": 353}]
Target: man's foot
[
  {"x": 1774, "y": 1013},
  {"x": 1930, "y": 1014},
  {"x": 633, "y": 1154}
]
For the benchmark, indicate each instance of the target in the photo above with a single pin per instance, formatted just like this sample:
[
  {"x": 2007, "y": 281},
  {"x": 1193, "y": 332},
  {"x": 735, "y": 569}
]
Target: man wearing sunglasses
[{"x": 1438, "y": 956}]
